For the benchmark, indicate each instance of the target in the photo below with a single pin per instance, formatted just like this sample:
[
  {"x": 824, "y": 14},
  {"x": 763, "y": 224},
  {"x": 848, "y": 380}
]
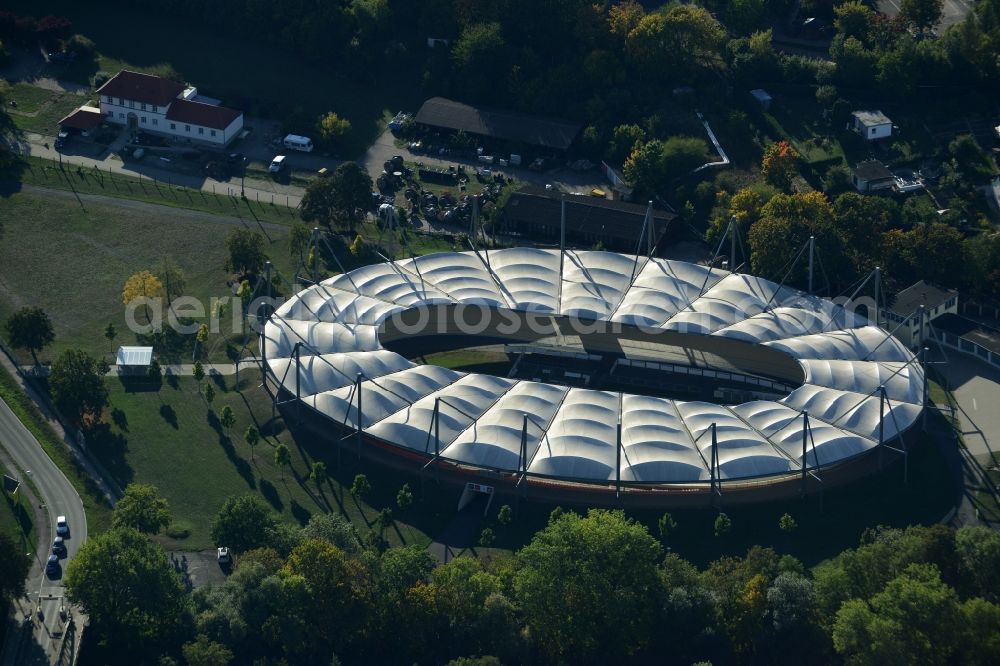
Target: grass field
[
  {"x": 48, "y": 173},
  {"x": 39, "y": 109},
  {"x": 72, "y": 261},
  {"x": 169, "y": 437},
  {"x": 243, "y": 71}
]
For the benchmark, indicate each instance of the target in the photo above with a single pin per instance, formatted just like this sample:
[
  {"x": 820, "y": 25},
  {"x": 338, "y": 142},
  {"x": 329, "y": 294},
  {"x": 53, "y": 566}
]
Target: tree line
[{"x": 588, "y": 588}]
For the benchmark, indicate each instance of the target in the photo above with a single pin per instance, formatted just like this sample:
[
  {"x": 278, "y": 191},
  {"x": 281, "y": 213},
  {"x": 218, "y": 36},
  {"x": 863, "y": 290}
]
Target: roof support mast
[
  {"x": 562, "y": 247},
  {"x": 732, "y": 244},
  {"x": 812, "y": 256}
]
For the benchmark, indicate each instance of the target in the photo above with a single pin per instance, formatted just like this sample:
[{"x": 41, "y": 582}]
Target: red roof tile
[
  {"x": 206, "y": 115},
  {"x": 85, "y": 118},
  {"x": 142, "y": 88}
]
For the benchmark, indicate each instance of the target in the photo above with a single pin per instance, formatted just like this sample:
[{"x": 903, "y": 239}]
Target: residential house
[
  {"x": 871, "y": 125},
  {"x": 161, "y": 106},
  {"x": 903, "y": 317},
  {"x": 872, "y": 176}
]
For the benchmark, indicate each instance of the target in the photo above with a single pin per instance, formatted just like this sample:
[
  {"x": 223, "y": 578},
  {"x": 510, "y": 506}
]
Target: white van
[
  {"x": 296, "y": 142},
  {"x": 277, "y": 164}
]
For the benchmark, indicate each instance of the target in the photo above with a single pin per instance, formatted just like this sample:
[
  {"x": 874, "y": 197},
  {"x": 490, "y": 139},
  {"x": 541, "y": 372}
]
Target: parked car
[
  {"x": 62, "y": 139},
  {"x": 224, "y": 557},
  {"x": 62, "y": 527},
  {"x": 58, "y": 546},
  {"x": 277, "y": 164}
]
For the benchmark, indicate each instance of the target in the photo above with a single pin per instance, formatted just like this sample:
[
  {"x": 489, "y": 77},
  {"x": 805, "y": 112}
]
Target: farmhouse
[
  {"x": 903, "y": 317},
  {"x": 162, "y": 106},
  {"x": 872, "y": 125},
  {"x": 872, "y": 176}
]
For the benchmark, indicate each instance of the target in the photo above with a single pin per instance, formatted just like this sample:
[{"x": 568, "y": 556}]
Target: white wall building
[
  {"x": 161, "y": 106},
  {"x": 872, "y": 125},
  {"x": 903, "y": 317}
]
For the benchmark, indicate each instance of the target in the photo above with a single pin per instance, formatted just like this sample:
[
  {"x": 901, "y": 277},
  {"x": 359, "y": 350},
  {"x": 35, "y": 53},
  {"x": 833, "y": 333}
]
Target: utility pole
[{"x": 878, "y": 292}]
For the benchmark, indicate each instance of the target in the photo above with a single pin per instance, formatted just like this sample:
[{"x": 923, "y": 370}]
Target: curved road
[{"x": 60, "y": 498}]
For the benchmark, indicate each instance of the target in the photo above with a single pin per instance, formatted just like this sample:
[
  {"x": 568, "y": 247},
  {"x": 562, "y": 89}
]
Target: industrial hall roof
[{"x": 498, "y": 124}]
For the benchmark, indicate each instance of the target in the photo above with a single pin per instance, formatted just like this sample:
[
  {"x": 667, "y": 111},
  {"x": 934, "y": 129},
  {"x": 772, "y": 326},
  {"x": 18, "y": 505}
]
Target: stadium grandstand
[{"x": 632, "y": 377}]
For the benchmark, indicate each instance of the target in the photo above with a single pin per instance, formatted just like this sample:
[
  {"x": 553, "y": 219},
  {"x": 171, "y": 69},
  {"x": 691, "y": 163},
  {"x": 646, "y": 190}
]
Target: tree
[
  {"x": 606, "y": 565},
  {"x": 126, "y": 585},
  {"x": 922, "y": 14},
  {"x": 480, "y": 57},
  {"x": 339, "y": 196},
  {"x": 333, "y": 128},
  {"x": 318, "y": 474},
  {"x": 282, "y": 458},
  {"x": 404, "y": 498},
  {"x": 14, "y": 569},
  {"x": 77, "y": 385},
  {"x": 916, "y": 619},
  {"x": 723, "y": 524},
  {"x": 623, "y": 140},
  {"x": 667, "y": 525},
  {"x": 623, "y": 17},
  {"x": 201, "y": 337},
  {"x": 674, "y": 42},
  {"x": 30, "y": 328},
  {"x": 142, "y": 509},
  {"x": 505, "y": 515},
  {"x": 486, "y": 537},
  {"x": 656, "y": 163},
  {"x": 251, "y": 437},
  {"x": 787, "y": 524},
  {"x": 745, "y": 16},
  {"x": 978, "y": 552},
  {"x": 209, "y": 392},
  {"x": 780, "y": 163},
  {"x": 227, "y": 418},
  {"x": 299, "y": 236},
  {"x": 204, "y": 652},
  {"x": 337, "y": 594},
  {"x": 853, "y": 19},
  {"x": 384, "y": 520},
  {"x": 244, "y": 523},
  {"x": 245, "y": 251},
  {"x": 198, "y": 372},
  {"x": 827, "y": 94},
  {"x": 172, "y": 278},
  {"x": 143, "y": 285},
  {"x": 111, "y": 333},
  {"x": 334, "y": 529},
  {"x": 361, "y": 487}
]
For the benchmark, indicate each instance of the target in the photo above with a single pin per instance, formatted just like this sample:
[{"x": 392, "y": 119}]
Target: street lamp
[{"x": 243, "y": 175}]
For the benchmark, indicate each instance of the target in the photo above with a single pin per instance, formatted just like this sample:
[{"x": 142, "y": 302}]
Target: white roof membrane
[{"x": 572, "y": 434}]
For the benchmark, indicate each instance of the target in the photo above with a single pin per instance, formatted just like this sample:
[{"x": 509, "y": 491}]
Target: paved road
[
  {"x": 976, "y": 387},
  {"x": 954, "y": 11},
  {"x": 44, "y": 592}
]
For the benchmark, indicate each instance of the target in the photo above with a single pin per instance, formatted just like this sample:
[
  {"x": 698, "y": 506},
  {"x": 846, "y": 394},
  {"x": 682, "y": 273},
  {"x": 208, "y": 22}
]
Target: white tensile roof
[{"x": 325, "y": 341}]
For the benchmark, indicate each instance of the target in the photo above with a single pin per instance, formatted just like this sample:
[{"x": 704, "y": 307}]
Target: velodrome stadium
[{"x": 632, "y": 378}]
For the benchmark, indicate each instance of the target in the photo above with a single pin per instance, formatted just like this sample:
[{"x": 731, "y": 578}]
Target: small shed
[
  {"x": 83, "y": 119},
  {"x": 762, "y": 97},
  {"x": 134, "y": 360},
  {"x": 872, "y": 125},
  {"x": 871, "y": 176}
]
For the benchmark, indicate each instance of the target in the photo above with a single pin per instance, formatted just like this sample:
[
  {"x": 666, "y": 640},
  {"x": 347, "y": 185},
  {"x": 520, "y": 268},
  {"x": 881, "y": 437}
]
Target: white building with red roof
[{"x": 162, "y": 106}]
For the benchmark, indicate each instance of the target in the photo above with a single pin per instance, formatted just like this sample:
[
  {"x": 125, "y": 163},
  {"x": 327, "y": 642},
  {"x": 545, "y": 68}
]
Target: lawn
[
  {"x": 799, "y": 121},
  {"x": 16, "y": 519},
  {"x": 48, "y": 173},
  {"x": 488, "y": 362},
  {"x": 253, "y": 76},
  {"x": 39, "y": 109},
  {"x": 168, "y": 436},
  {"x": 72, "y": 260}
]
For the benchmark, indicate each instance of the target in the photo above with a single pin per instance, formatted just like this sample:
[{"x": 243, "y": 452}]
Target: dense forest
[{"x": 594, "y": 588}]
